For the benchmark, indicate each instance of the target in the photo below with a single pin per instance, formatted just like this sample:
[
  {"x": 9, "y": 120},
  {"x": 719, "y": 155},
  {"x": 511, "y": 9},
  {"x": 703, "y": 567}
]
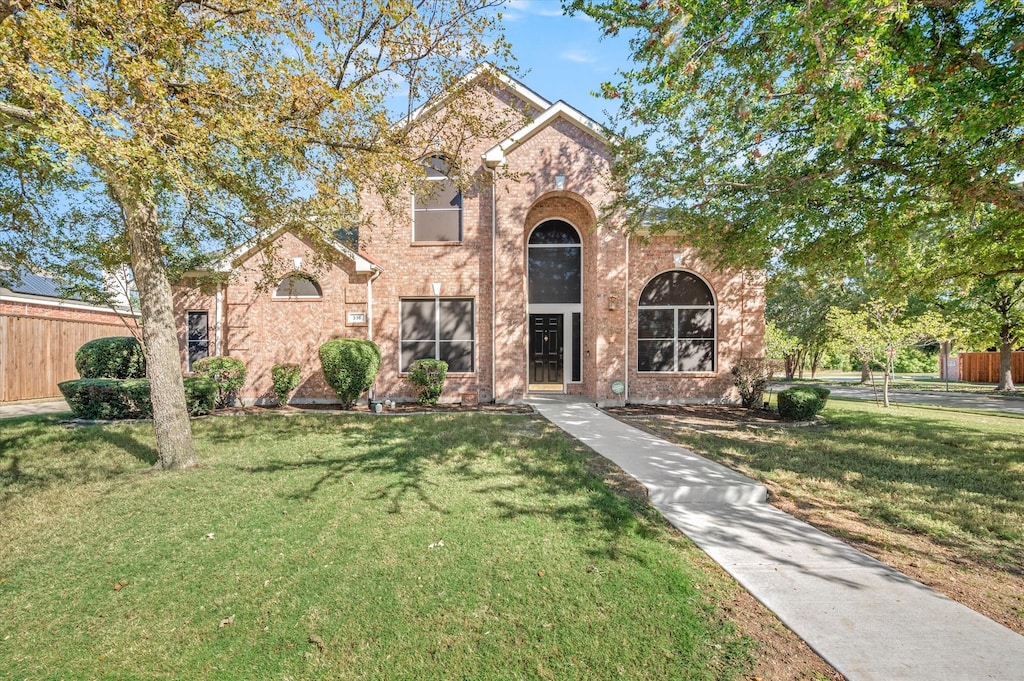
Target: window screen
[
  {"x": 676, "y": 325},
  {"x": 438, "y": 329}
]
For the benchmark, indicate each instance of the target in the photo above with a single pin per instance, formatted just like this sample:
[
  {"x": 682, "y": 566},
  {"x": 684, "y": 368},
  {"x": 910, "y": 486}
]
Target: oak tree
[{"x": 149, "y": 132}]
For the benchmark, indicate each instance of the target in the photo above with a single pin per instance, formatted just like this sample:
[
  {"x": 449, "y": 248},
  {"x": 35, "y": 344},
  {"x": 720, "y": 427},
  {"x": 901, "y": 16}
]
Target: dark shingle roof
[{"x": 35, "y": 285}]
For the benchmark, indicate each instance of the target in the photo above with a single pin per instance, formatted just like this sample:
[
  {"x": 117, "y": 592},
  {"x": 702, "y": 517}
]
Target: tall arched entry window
[
  {"x": 676, "y": 330},
  {"x": 555, "y": 282}
]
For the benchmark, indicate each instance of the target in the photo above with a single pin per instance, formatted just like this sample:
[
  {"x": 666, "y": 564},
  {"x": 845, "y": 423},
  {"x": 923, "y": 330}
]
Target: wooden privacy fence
[
  {"x": 983, "y": 367},
  {"x": 37, "y": 353}
]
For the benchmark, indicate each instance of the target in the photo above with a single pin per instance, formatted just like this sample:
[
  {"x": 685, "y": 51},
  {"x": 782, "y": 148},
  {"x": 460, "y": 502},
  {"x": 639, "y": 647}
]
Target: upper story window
[
  {"x": 437, "y": 210},
  {"x": 676, "y": 325},
  {"x": 298, "y": 285},
  {"x": 555, "y": 263}
]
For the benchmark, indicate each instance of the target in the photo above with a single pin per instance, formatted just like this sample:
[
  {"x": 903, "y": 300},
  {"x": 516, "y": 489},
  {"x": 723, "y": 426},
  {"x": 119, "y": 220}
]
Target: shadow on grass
[
  {"x": 37, "y": 453},
  {"x": 400, "y": 455},
  {"x": 915, "y": 473}
]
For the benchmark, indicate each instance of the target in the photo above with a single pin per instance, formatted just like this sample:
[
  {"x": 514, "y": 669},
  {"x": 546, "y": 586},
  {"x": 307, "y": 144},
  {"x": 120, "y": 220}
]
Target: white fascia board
[
  {"x": 231, "y": 260},
  {"x": 484, "y": 69},
  {"x": 8, "y": 296},
  {"x": 559, "y": 110}
]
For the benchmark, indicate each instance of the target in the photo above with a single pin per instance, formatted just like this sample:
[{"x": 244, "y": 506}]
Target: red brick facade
[{"x": 554, "y": 168}]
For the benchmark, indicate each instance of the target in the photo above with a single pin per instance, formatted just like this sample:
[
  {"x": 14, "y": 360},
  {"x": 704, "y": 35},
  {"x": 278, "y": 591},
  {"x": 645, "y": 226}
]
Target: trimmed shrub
[
  {"x": 285, "y": 378},
  {"x": 751, "y": 377},
  {"x": 97, "y": 399},
  {"x": 802, "y": 403},
  {"x": 116, "y": 357},
  {"x": 109, "y": 399},
  {"x": 200, "y": 395},
  {"x": 428, "y": 376},
  {"x": 350, "y": 366},
  {"x": 227, "y": 373}
]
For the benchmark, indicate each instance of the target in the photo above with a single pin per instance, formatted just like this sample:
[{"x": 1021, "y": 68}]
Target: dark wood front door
[{"x": 546, "y": 348}]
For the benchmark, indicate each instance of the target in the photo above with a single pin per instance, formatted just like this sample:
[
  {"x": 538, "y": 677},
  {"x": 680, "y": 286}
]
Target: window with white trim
[
  {"x": 437, "y": 210},
  {"x": 676, "y": 329},
  {"x": 197, "y": 325},
  {"x": 438, "y": 328},
  {"x": 298, "y": 285}
]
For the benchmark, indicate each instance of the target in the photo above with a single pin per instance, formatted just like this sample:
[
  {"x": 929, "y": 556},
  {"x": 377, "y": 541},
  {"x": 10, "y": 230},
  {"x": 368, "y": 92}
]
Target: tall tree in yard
[
  {"x": 153, "y": 130},
  {"x": 991, "y": 311},
  {"x": 831, "y": 132}
]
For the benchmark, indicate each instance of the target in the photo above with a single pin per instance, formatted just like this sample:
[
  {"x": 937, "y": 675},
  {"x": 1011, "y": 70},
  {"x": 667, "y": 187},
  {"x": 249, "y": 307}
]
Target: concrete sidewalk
[
  {"x": 10, "y": 410},
  {"x": 869, "y": 621}
]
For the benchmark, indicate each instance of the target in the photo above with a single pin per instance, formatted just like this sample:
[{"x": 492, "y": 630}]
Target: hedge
[
  {"x": 802, "y": 403},
  {"x": 428, "y": 376},
  {"x": 350, "y": 366},
  {"x": 109, "y": 399},
  {"x": 285, "y": 377},
  {"x": 116, "y": 357},
  {"x": 227, "y": 373}
]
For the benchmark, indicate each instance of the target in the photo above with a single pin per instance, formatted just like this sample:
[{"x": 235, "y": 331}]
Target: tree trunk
[
  {"x": 1005, "y": 366},
  {"x": 815, "y": 362},
  {"x": 175, "y": 448},
  {"x": 801, "y": 359},
  {"x": 885, "y": 383},
  {"x": 790, "y": 366},
  {"x": 865, "y": 372}
]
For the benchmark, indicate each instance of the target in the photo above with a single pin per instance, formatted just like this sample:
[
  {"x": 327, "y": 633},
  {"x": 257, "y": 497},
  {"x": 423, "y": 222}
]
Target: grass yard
[
  {"x": 937, "y": 493},
  {"x": 464, "y": 546}
]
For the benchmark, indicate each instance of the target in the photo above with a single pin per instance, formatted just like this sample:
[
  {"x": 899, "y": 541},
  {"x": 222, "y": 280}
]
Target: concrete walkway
[
  {"x": 10, "y": 410},
  {"x": 870, "y": 622},
  {"x": 935, "y": 398}
]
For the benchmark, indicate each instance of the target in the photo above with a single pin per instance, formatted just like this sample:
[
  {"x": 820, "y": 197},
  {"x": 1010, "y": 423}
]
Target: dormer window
[
  {"x": 437, "y": 209},
  {"x": 298, "y": 286}
]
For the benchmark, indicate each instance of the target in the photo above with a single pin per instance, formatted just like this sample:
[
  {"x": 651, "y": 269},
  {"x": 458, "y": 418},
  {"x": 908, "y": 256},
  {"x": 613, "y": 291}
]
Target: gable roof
[
  {"x": 558, "y": 111},
  {"x": 483, "y": 70},
  {"x": 230, "y": 260}
]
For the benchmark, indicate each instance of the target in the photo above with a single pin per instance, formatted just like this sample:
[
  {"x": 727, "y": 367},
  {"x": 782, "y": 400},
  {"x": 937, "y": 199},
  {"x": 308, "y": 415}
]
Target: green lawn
[
  {"x": 463, "y": 546},
  {"x": 956, "y": 477}
]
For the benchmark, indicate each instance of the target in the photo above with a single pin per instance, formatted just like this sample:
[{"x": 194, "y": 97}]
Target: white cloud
[{"x": 578, "y": 56}]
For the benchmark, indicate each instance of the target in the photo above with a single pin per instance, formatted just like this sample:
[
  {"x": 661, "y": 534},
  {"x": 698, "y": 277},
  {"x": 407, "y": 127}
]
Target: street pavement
[{"x": 934, "y": 398}]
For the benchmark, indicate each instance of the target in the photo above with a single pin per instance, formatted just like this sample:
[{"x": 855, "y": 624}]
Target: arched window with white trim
[
  {"x": 298, "y": 285},
  {"x": 676, "y": 325}
]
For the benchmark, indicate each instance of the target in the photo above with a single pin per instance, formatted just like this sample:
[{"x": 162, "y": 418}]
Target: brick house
[{"x": 517, "y": 284}]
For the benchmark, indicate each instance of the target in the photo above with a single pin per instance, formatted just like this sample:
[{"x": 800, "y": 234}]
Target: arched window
[
  {"x": 298, "y": 285},
  {"x": 555, "y": 264},
  {"x": 437, "y": 211},
  {"x": 676, "y": 325}
]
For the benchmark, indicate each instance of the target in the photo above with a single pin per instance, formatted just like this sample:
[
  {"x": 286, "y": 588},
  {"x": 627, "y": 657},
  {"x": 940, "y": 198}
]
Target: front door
[{"x": 546, "y": 349}]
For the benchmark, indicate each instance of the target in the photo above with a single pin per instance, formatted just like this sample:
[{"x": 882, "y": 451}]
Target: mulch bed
[{"x": 704, "y": 412}]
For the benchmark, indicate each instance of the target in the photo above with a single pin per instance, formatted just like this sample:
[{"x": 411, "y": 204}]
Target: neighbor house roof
[{"x": 29, "y": 287}]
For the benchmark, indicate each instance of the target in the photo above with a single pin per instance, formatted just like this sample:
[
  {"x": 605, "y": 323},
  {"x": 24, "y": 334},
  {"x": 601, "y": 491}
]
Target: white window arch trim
[
  {"x": 676, "y": 340},
  {"x": 304, "y": 276}
]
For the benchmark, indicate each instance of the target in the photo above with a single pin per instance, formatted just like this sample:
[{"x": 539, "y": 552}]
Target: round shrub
[
  {"x": 350, "y": 366},
  {"x": 227, "y": 373},
  {"x": 428, "y": 376},
  {"x": 802, "y": 403},
  {"x": 117, "y": 357},
  {"x": 285, "y": 378}
]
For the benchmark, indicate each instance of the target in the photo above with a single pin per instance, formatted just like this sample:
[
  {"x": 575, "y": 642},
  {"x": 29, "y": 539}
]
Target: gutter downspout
[
  {"x": 625, "y": 307},
  {"x": 494, "y": 267},
  {"x": 219, "y": 316},
  {"x": 369, "y": 325}
]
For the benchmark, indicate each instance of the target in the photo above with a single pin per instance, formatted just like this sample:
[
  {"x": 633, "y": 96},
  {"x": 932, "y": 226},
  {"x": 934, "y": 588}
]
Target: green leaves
[{"x": 818, "y": 133}]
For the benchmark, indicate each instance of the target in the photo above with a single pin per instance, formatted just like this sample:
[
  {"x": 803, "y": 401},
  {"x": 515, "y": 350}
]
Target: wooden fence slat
[
  {"x": 983, "y": 367},
  {"x": 37, "y": 353}
]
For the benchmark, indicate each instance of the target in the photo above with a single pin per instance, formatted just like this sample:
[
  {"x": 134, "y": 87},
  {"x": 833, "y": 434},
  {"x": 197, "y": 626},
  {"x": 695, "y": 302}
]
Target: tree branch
[{"x": 17, "y": 115}]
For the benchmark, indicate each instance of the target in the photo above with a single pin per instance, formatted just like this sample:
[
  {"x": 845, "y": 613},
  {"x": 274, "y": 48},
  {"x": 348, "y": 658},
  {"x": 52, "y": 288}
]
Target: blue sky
[{"x": 563, "y": 57}]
